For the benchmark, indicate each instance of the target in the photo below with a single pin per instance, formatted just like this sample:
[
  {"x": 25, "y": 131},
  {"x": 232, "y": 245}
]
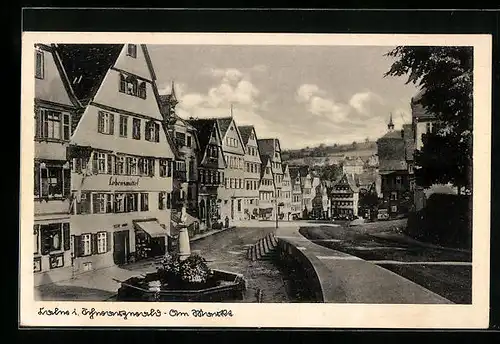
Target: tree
[
  {"x": 331, "y": 172},
  {"x": 444, "y": 75}
]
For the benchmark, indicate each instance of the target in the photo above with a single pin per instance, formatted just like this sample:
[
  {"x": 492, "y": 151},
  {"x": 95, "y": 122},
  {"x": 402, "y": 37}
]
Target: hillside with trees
[{"x": 322, "y": 151}]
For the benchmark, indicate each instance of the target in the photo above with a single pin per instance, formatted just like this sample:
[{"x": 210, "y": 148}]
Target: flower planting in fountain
[{"x": 190, "y": 273}]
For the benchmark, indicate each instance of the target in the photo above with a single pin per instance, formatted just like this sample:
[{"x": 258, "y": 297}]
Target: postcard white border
[{"x": 274, "y": 315}]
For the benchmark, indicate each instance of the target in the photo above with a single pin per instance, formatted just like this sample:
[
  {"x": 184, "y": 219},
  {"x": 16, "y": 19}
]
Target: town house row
[{"x": 112, "y": 162}]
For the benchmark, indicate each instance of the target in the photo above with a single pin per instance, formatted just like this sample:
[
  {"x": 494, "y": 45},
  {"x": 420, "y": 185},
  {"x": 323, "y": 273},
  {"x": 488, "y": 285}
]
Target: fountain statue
[{"x": 184, "y": 246}]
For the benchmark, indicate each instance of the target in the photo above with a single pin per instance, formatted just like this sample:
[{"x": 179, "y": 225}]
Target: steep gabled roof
[
  {"x": 86, "y": 66},
  {"x": 245, "y": 132},
  {"x": 204, "y": 129},
  {"x": 350, "y": 181},
  {"x": 53, "y": 49},
  {"x": 266, "y": 147},
  {"x": 265, "y": 159},
  {"x": 224, "y": 123}
]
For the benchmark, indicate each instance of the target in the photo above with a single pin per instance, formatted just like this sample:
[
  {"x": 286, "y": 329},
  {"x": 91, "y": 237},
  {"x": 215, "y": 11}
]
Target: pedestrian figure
[{"x": 259, "y": 295}]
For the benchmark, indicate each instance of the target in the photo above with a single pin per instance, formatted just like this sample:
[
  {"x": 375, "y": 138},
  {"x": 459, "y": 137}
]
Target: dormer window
[
  {"x": 132, "y": 50},
  {"x": 39, "y": 65}
]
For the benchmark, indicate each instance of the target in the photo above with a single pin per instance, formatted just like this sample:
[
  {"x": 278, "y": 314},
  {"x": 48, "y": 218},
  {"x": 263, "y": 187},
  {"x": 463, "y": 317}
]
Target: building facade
[
  {"x": 353, "y": 165},
  {"x": 232, "y": 195},
  {"x": 184, "y": 136},
  {"x": 211, "y": 169},
  {"x": 251, "y": 173},
  {"x": 344, "y": 197},
  {"x": 56, "y": 111},
  {"x": 286, "y": 193},
  {"x": 321, "y": 203},
  {"x": 267, "y": 190},
  {"x": 122, "y": 159},
  {"x": 271, "y": 148},
  {"x": 396, "y": 170},
  {"x": 296, "y": 206}
]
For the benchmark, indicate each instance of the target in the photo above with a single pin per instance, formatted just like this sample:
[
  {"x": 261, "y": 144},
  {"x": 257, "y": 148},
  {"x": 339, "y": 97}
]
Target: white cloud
[
  {"x": 306, "y": 91},
  {"x": 166, "y": 88},
  {"x": 227, "y": 75},
  {"x": 233, "y": 88},
  {"x": 359, "y": 101}
]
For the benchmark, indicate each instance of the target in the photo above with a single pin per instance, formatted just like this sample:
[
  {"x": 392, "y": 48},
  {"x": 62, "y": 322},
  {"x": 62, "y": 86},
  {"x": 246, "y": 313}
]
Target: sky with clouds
[{"x": 303, "y": 95}]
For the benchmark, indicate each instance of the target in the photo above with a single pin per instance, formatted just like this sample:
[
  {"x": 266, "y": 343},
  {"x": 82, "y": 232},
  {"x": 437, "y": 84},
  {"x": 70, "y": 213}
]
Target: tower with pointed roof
[{"x": 390, "y": 125}]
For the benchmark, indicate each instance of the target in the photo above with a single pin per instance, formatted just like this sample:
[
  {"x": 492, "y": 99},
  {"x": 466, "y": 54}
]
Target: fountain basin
[{"x": 222, "y": 286}]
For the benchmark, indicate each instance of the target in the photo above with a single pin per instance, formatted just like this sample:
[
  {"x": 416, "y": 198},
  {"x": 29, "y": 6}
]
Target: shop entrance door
[{"x": 120, "y": 247}]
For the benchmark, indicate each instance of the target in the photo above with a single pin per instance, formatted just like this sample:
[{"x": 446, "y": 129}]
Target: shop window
[
  {"x": 144, "y": 201},
  {"x": 105, "y": 123},
  {"x": 136, "y": 128},
  {"x": 123, "y": 125},
  {"x": 102, "y": 242},
  {"x": 39, "y": 64}
]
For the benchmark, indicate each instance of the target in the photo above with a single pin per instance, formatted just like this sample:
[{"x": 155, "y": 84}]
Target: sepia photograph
[{"x": 223, "y": 171}]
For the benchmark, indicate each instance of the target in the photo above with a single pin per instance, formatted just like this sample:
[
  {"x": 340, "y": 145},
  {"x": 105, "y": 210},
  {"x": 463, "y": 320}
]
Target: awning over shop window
[{"x": 152, "y": 227}]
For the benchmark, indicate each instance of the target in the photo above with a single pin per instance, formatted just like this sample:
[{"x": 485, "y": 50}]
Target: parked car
[{"x": 383, "y": 215}]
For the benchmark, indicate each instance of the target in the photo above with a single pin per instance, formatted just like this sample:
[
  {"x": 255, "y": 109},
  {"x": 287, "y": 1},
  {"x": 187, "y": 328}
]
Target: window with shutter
[
  {"x": 93, "y": 243},
  {"x": 136, "y": 129},
  {"x": 66, "y": 182},
  {"x": 39, "y": 65},
  {"x": 66, "y": 127},
  {"x": 110, "y": 164},
  {"x": 66, "y": 236},
  {"x": 108, "y": 241},
  {"x": 157, "y": 132},
  {"x": 123, "y": 83},
  {"x": 37, "y": 180}
]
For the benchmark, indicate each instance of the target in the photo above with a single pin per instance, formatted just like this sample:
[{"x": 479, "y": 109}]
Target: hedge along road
[{"x": 445, "y": 272}]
